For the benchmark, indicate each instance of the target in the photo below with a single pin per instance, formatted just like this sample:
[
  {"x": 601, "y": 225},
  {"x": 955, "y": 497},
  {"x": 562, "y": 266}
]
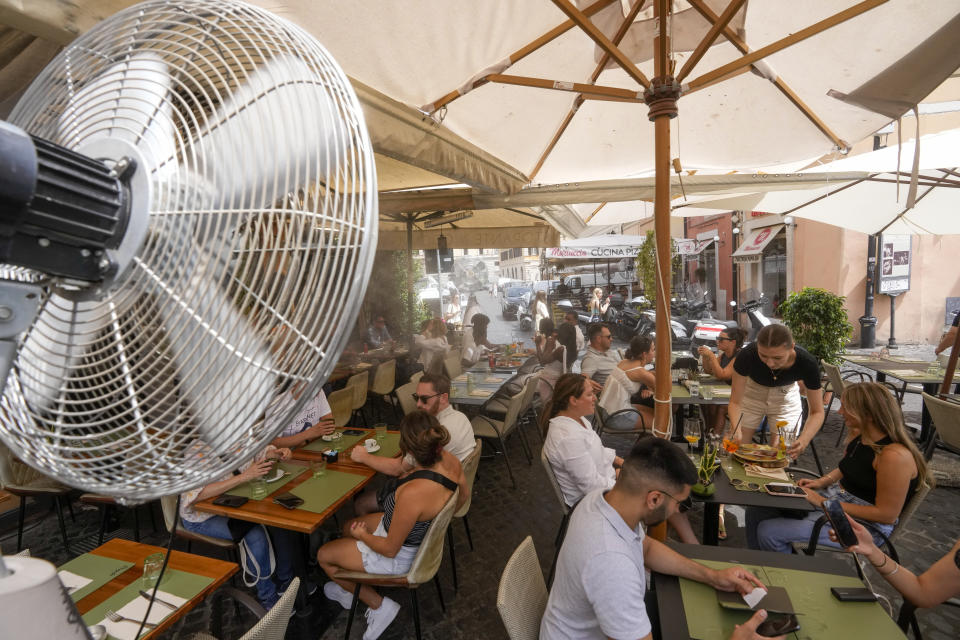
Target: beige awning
[{"x": 752, "y": 248}]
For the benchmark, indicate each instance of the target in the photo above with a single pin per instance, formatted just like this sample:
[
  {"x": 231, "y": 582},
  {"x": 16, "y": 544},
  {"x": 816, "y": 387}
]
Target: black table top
[{"x": 726, "y": 494}]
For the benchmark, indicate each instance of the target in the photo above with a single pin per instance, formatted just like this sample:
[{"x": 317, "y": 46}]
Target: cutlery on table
[
  {"x": 113, "y": 616},
  {"x": 163, "y": 602}
]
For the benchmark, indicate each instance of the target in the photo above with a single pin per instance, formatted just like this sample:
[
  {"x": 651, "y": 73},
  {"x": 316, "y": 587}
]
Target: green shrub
[{"x": 818, "y": 320}]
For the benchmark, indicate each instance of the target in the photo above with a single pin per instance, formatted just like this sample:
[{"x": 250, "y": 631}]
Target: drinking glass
[
  {"x": 152, "y": 566},
  {"x": 694, "y": 387},
  {"x": 933, "y": 369},
  {"x": 469, "y": 383},
  {"x": 318, "y": 468},
  {"x": 258, "y": 488},
  {"x": 731, "y": 439},
  {"x": 691, "y": 431},
  {"x": 381, "y": 430},
  {"x": 707, "y": 392}
]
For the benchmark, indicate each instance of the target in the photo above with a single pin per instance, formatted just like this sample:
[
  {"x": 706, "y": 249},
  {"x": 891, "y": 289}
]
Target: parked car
[{"x": 513, "y": 300}]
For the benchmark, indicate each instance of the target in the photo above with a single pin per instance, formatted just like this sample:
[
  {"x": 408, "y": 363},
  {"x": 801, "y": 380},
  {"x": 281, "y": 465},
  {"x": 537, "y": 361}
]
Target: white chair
[
  {"x": 522, "y": 594},
  {"x": 23, "y": 481},
  {"x": 945, "y": 416},
  {"x": 470, "y": 466},
  {"x": 405, "y": 396},
  {"x": 273, "y": 625},
  {"x": 451, "y": 364},
  {"x": 489, "y": 427},
  {"x": 565, "y": 509}
]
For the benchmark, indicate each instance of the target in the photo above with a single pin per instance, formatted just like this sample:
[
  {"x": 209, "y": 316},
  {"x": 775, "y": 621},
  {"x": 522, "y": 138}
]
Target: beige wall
[{"x": 836, "y": 259}]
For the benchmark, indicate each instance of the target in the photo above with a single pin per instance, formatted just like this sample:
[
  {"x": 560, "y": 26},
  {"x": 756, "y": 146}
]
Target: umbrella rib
[
  {"x": 516, "y": 56},
  {"x": 578, "y": 102},
  {"x": 587, "y": 26},
  {"x": 919, "y": 198},
  {"x": 827, "y": 195},
  {"x": 742, "y": 46},
  {"x": 709, "y": 39},
  {"x": 721, "y": 72},
  {"x": 595, "y": 212}
]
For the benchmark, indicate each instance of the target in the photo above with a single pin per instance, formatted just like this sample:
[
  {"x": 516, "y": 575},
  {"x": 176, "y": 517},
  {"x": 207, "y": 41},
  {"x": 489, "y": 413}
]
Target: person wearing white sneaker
[{"x": 398, "y": 531}]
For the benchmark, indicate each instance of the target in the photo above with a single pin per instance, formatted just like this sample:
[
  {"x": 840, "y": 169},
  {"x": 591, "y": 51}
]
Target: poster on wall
[{"x": 894, "y": 264}]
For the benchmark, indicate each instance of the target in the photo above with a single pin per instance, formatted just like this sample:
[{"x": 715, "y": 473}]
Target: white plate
[
  {"x": 280, "y": 473},
  {"x": 373, "y": 450},
  {"x": 333, "y": 436}
]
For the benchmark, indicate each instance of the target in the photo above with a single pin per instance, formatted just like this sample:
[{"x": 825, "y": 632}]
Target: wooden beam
[
  {"x": 617, "y": 38},
  {"x": 602, "y": 41},
  {"x": 782, "y": 86},
  {"x": 560, "y": 85},
  {"x": 709, "y": 39},
  {"x": 595, "y": 212},
  {"x": 523, "y": 52},
  {"x": 395, "y": 202},
  {"x": 838, "y": 18}
]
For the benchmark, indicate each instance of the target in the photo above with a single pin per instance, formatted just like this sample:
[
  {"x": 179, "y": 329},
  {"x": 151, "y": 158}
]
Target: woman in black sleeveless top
[
  {"x": 878, "y": 473},
  {"x": 386, "y": 543}
]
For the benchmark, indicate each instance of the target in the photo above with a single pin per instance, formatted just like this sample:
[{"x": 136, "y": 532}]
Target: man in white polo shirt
[
  {"x": 433, "y": 396},
  {"x": 600, "y": 581}
]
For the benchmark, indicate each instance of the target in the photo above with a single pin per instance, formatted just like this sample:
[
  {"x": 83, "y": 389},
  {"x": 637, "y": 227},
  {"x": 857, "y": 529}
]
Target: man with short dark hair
[
  {"x": 571, "y": 317},
  {"x": 600, "y": 359},
  {"x": 432, "y": 396},
  {"x": 377, "y": 334},
  {"x": 600, "y": 582}
]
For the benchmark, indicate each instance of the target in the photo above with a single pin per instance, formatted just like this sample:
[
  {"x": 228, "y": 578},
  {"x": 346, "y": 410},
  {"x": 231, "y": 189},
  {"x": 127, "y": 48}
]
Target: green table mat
[
  {"x": 344, "y": 443},
  {"x": 918, "y": 374},
  {"x": 99, "y": 569},
  {"x": 179, "y": 583},
  {"x": 734, "y": 469},
  {"x": 319, "y": 493},
  {"x": 389, "y": 446},
  {"x": 822, "y": 616},
  {"x": 293, "y": 470}
]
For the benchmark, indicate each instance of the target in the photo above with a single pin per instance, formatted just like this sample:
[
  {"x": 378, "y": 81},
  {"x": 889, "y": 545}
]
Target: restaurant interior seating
[
  {"x": 273, "y": 625},
  {"x": 565, "y": 509},
  {"x": 405, "y": 397},
  {"x": 945, "y": 416},
  {"x": 522, "y": 594},
  {"x": 422, "y": 570},
  {"x": 341, "y": 405},
  {"x": 169, "y": 506},
  {"x": 382, "y": 389},
  {"x": 107, "y": 503},
  {"x": 23, "y": 481},
  {"x": 470, "y": 466},
  {"x": 359, "y": 383},
  {"x": 490, "y": 428}
]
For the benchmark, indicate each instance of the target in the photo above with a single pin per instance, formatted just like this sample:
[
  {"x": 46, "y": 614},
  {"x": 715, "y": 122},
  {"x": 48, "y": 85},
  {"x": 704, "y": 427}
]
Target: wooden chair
[
  {"x": 23, "y": 481},
  {"x": 359, "y": 383},
  {"x": 522, "y": 594},
  {"x": 422, "y": 570},
  {"x": 341, "y": 405},
  {"x": 945, "y": 416},
  {"x": 470, "y": 466}
]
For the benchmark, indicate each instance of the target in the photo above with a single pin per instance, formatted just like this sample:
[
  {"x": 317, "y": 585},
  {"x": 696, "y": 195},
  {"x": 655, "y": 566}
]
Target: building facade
[{"x": 520, "y": 264}]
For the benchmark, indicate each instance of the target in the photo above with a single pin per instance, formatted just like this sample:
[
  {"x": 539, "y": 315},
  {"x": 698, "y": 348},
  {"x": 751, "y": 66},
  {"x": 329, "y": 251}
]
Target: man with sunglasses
[
  {"x": 599, "y": 359},
  {"x": 600, "y": 584},
  {"x": 432, "y": 396}
]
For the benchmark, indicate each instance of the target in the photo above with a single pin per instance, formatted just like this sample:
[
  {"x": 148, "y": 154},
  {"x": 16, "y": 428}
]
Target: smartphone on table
[
  {"x": 784, "y": 489},
  {"x": 288, "y": 500}
]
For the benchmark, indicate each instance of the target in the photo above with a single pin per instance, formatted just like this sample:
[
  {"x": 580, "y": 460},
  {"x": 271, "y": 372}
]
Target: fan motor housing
[{"x": 59, "y": 209}]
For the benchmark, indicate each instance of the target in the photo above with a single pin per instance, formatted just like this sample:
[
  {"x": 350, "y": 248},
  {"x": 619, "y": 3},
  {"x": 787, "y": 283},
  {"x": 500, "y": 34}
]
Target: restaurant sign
[
  {"x": 895, "y": 264},
  {"x": 592, "y": 253}
]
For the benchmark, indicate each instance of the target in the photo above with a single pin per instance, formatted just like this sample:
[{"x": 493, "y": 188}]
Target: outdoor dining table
[
  {"x": 906, "y": 370},
  {"x": 115, "y": 569},
  {"x": 689, "y": 609},
  {"x": 726, "y": 493},
  {"x": 484, "y": 387},
  {"x": 389, "y": 447},
  {"x": 680, "y": 394}
]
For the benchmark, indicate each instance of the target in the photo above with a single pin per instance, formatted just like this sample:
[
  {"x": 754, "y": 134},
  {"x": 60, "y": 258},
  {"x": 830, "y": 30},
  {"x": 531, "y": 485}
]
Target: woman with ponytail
[
  {"x": 397, "y": 532},
  {"x": 579, "y": 460}
]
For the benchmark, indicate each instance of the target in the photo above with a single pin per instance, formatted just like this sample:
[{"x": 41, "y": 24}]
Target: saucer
[
  {"x": 372, "y": 450},
  {"x": 280, "y": 473}
]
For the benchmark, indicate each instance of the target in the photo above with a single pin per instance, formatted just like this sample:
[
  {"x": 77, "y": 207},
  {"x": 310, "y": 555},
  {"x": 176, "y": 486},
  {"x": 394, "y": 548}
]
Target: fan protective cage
[{"x": 258, "y": 243}]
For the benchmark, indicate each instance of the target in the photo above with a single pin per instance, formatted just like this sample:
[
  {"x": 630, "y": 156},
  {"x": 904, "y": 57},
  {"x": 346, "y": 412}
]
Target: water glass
[
  {"x": 258, "y": 488},
  {"x": 152, "y": 566},
  {"x": 318, "y": 468},
  {"x": 469, "y": 383},
  {"x": 933, "y": 369},
  {"x": 694, "y": 387},
  {"x": 707, "y": 392},
  {"x": 381, "y": 430}
]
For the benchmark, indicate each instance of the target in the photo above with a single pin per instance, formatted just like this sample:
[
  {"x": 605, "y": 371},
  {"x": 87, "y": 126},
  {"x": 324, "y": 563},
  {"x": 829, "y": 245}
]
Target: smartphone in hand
[{"x": 838, "y": 520}]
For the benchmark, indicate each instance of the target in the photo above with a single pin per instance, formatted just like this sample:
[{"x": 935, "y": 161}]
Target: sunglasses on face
[
  {"x": 424, "y": 399},
  {"x": 724, "y": 338}
]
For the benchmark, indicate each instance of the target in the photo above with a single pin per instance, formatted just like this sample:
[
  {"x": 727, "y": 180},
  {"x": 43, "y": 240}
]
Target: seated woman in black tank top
[
  {"x": 879, "y": 472},
  {"x": 386, "y": 543}
]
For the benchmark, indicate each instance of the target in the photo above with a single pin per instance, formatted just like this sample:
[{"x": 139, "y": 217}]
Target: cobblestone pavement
[{"x": 500, "y": 518}]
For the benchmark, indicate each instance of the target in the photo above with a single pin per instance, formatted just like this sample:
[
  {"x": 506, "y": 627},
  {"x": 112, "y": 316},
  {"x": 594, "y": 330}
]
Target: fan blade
[
  {"x": 278, "y": 132},
  {"x": 129, "y": 101},
  {"x": 224, "y": 364}
]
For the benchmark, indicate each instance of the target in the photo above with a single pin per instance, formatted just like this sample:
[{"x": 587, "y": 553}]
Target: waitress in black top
[{"x": 765, "y": 376}]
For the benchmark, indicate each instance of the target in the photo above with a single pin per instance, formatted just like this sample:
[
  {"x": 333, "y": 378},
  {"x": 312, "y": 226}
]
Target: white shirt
[
  {"x": 431, "y": 348},
  {"x": 461, "y": 432},
  {"x": 600, "y": 581},
  {"x": 310, "y": 415},
  {"x": 579, "y": 460},
  {"x": 581, "y": 342}
]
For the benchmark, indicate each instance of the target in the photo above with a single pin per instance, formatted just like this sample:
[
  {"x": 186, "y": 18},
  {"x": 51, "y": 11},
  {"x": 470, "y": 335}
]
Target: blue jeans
[
  {"x": 256, "y": 539},
  {"x": 769, "y": 530}
]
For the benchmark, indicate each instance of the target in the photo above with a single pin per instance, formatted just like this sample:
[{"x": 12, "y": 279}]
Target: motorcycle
[{"x": 754, "y": 311}]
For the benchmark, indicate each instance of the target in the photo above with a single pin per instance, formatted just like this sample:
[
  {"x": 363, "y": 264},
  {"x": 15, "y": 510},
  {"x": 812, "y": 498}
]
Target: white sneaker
[
  {"x": 335, "y": 592},
  {"x": 379, "y": 619}
]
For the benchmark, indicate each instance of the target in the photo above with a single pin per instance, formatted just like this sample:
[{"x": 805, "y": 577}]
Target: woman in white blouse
[{"x": 577, "y": 456}]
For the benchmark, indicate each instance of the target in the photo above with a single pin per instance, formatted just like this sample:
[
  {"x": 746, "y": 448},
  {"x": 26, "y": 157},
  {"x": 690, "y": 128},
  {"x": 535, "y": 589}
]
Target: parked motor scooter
[
  {"x": 754, "y": 311},
  {"x": 699, "y": 323}
]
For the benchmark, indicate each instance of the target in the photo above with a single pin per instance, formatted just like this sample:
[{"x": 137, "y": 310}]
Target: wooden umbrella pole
[{"x": 661, "y": 98}]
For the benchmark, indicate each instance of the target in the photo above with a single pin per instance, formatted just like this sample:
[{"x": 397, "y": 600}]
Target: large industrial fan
[{"x": 189, "y": 218}]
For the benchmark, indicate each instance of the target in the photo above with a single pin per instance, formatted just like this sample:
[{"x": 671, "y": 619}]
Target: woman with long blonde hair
[{"x": 880, "y": 470}]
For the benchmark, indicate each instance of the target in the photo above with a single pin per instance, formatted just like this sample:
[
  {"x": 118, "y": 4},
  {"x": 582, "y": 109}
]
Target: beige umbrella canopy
[{"x": 561, "y": 91}]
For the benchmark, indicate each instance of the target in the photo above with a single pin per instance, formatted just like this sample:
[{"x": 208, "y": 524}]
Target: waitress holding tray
[{"x": 765, "y": 377}]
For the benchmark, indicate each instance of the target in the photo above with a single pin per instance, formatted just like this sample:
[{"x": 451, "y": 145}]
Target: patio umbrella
[{"x": 557, "y": 91}]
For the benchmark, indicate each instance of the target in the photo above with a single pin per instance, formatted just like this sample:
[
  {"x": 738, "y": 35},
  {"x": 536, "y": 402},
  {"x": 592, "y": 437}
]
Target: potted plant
[
  {"x": 818, "y": 320},
  {"x": 706, "y": 467}
]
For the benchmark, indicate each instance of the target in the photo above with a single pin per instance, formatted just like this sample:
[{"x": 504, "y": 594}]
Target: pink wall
[{"x": 835, "y": 259}]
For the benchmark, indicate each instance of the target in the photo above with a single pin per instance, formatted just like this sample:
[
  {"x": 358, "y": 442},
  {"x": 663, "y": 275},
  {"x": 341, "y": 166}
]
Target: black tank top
[
  {"x": 859, "y": 476},
  {"x": 419, "y": 530}
]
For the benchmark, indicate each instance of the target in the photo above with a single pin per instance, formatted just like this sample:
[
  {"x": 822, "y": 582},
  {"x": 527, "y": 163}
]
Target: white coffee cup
[{"x": 370, "y": 444}]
